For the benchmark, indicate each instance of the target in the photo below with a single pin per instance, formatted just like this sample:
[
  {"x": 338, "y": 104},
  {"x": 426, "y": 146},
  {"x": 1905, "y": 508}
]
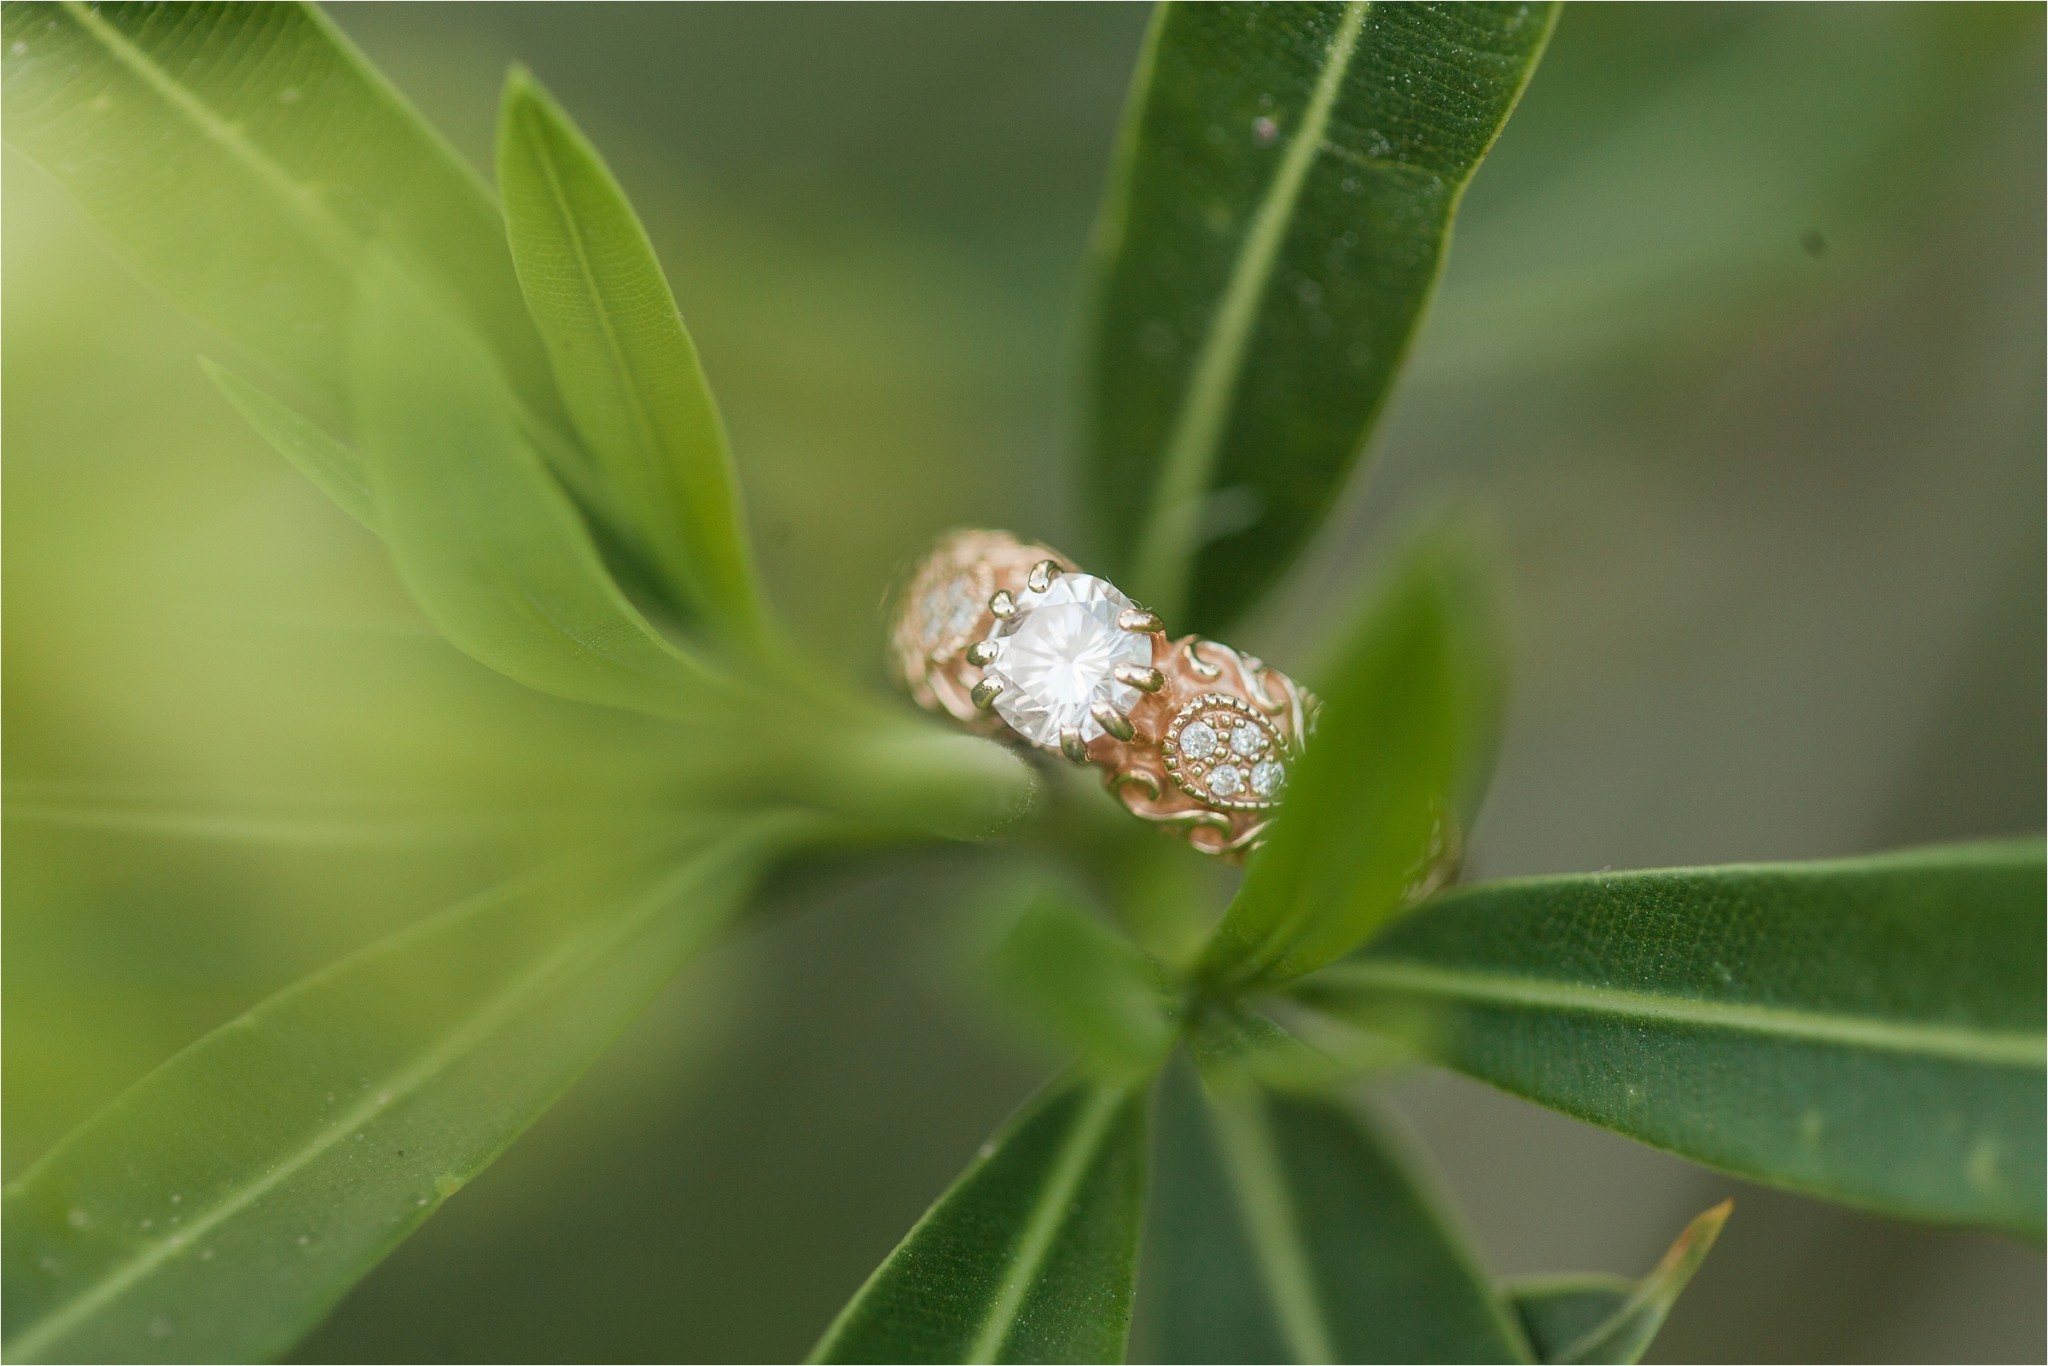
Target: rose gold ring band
[{"x": 1013, "y": 640}]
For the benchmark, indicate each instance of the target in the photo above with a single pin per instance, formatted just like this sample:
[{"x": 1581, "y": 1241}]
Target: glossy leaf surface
[
  {"x": 243, "y": 158},
  {"x": 1031, "y": 1255},
  {"x": 625, "y": 364},
  {"x": 218, "y": 1208},
  {"x": 1410, "y": 710},
  {"x": 1869, "y": 1030},
  {"x": 484, "y": 537},
  {"x": 1285, "y": 188},
  {"x": 1287, "y": 1228}
]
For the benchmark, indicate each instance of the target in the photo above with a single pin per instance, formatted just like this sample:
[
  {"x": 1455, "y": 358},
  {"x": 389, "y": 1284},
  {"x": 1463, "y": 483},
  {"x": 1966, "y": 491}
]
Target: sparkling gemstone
[
  {"x": 1224, "y": 780},
  {"x": 1247, "y": 740},
  {"x": 1267, "y": 777},
  {"x": 1197, "y": 740},
  {"x": 1059, "y": 655}
]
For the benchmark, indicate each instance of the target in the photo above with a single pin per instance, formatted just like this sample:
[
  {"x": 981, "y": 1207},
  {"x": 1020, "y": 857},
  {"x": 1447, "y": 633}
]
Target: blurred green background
[{"x": 1741, "y": 341}]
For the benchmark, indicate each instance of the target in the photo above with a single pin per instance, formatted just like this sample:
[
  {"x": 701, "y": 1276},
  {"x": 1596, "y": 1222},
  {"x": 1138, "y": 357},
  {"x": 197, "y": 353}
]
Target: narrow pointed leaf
[
  {"x": 1596, "y": 1320},
  {"x": 1287, "y": 1228},
  {"x": 1869, "y": 1030},
  {"x": 1406, "y": 732},
  {"x": 484, "y": 537},
  {"x": 217, "y": 1209},
  {"x": 1030, "y": 1256},
  {"x": 1286, "y": 184},
  {"x": 334, "y": 467},
  {"x": 626, "y": 366},
  {"x": 242, "y": 158}
]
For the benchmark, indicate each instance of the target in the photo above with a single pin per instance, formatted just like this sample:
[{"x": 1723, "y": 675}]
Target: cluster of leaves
[{"x": 503, "y": 391}]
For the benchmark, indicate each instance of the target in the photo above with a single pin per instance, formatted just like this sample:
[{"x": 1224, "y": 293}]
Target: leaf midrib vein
[
  {"x": 586, "y": 276},
  {"x": 1274, "y": 1225},
  {"x": 1963, "y": 1043},
  {"x": 1171, "y": 521},
  {"x": 442, "y": 1053},
  {"x": 335, "y": 239},
  {"x": 1042, "y": 1226}
]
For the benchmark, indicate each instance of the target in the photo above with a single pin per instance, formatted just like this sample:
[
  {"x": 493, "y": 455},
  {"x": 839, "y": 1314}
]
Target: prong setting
[
  {"x": 1002, "y": 606},
  {"x": 1143, "y": 679},
  {"x": 1140, "y": 621},
  {"x": 983, "y": 653},
  {"x": 1115, "y": 722},
  {"x": 1072, "y": 745},
  {"x": 987, "y": 691},
  {"x": 1042, "y": 574}
]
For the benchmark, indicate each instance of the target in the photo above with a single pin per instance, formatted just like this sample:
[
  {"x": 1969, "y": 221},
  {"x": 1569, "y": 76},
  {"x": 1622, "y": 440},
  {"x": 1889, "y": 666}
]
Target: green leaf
[
  {"x": 334, "y": 467},
  {"x": 626, "y": 366},
  {"x": 1556, "y": 1311},
  {"x": 242, "y": 158},
  {"x": 1287, "y": 1228},
  {"x": 1287, "y": 179},
  {"x": 1029, "y": 1257},
  {"x": 1607, "y": 1319},
  {"x": 1405, "y": 736},
  {"x": 1869, "y": 1030},
  {"x": 217, "y": 1209},
  {"x": 1084, "y": 986},
  {"x": 1230, "y": 1036},
  {"x": 483, "y": 536}
]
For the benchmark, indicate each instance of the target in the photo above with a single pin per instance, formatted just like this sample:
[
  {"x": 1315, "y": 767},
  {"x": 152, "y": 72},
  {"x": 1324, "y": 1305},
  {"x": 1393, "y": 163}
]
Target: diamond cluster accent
[
  {"x": 1057, "y": 657},
  {"x": 948, "y": 610},
  {"x": 1221, "y": 752}
]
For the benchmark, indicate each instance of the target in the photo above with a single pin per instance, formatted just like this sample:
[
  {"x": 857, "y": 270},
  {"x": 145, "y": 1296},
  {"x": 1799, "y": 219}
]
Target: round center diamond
[{"x": 1057, "y": 657}]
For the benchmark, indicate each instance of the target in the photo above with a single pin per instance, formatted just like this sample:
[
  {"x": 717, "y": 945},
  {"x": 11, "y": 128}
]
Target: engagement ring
[{"x": 1009, "y": 638}]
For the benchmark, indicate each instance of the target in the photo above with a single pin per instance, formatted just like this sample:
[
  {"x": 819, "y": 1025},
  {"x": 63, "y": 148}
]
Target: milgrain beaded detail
[
  {"x": 1215, "y": 743},
  {"x": 1210, "y": 746}
]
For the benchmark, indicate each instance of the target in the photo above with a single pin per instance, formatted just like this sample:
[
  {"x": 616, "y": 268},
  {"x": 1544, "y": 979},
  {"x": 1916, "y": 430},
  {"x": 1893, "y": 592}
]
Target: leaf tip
[{"x": 1705, "y": 1227}]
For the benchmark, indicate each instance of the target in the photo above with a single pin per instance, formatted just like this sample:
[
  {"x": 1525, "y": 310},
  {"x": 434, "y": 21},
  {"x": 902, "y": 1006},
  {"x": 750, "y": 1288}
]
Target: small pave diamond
[
  {"x": 1220, "y": 750},
  {"x": 1267, "y": 778},
  {"x": 947, "y": 612},
  {"x": 1059, "y": 653}
]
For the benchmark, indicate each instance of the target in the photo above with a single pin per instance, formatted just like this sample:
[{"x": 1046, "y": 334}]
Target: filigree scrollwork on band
[{"x": 1211, "y": 748}]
